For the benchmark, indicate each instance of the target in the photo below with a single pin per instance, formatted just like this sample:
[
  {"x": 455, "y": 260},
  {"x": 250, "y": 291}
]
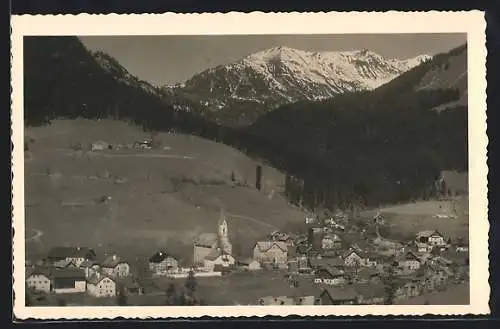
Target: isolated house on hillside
[
  {"x": 271, "y": 252},
  {"x": 39, "y": 279},
  {"x": 162, "y": 263},
  {"x": 60, "y": 256},
  {"x": 452, "y": 183},
  {"x": 431, "y": 237}
]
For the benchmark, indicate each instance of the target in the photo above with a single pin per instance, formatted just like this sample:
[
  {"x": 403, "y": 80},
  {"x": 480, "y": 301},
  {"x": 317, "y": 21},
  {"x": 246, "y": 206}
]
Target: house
[
  {"x": 338, "y": 296},
  {"x": 274, "y": 252},
  {"x": 90, "y": 267},
  {"x": 115, "y": 266},
  {"x": 462, "y": 247},
  {"x": 68, "y": 280},
  {"x": 62, "y": 256},
  {"x": 423, "y": 247},
  {"x": 331, "y": 241},
  {"x": 406, "y": 288},
  {"x": 162, "y": 263},
  {"x": 39, "y": 279},
  {"x": 371, "y": 294},
  {"x": 354, "y": 257},
  {"x": 368, "y": 275},
  {"x": 220, "y": 259},
  {"x": 407, "y": 263},
  {"x": 329, "y": 276},
  {"x": 101, "y": 285},
  {"x": 336, "y": 263},
  {"x": 204, "y": 245},
  {"x": 431, "y": 237},
  {"x": 249, "y": 264}
]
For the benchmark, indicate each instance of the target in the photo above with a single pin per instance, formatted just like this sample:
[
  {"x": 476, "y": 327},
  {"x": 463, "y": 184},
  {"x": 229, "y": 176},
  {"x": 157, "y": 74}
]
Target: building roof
[
  {"x": 112, "y": 261},
  {"x": 214, "y": 254},
  {"x": 160, "y": 256},
  {"x": 69, "y": 273},
  {"x": 39, "y": 270},
  {"x": 264, "y": 246},
  {"x": 89, "y": 263},
  {"x": 333, "y": 272},
  {"x": 341, "y": 293},
  {"x": 96, "y": 278},
  {"x": 427, "y": 233},
  {"x": 206, "y": 240},
  {"x": 63, "y": 252}
]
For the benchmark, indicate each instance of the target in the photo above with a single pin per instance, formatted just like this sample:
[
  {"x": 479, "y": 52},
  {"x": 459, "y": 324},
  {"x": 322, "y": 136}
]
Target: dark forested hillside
[
  {"x": 363, "y": 148},
  {"x": 373, "y": 147}
]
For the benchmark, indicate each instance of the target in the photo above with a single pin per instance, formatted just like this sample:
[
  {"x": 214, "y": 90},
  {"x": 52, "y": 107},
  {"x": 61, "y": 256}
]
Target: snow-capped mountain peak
[{"x": 280, "y": 75}]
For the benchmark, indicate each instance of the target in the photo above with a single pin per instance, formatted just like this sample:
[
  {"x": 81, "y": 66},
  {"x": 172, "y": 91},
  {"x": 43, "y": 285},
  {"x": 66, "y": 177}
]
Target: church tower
[{"x": 223, "y": 234}]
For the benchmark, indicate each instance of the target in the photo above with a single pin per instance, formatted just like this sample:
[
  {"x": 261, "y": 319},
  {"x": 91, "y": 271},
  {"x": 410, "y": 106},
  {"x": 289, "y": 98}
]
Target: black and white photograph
[{"x": 321, "y": 169}]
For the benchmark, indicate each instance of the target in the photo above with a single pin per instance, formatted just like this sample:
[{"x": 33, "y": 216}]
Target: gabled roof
[
  {"x": 64, "y": 252},
  {"x": 214, "y": 254},
  {"x": 332, "y": 272},
  {"x": 112, "y": 261},
  {"x": 68, "y": 273},
  {"x": 264, "y": 246},
  {"x": 47, "y": 271},
  {"x": 95, "y": 279},
  {"x": 428, "y": 233},
  {"x": 340, "y": 293}
]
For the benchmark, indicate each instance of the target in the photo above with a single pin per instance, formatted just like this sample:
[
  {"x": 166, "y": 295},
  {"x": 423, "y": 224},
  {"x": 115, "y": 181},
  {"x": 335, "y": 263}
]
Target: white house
[
  {"x": 353, "y": 258},
  {"x": 432, "y": 238},
  {"x": 69, "y": 280},
  {"x": 115, "y": 266},
  {"x": 101, "y": 285},
  {"x": 219, "y": 258},
  {"x": 329, "y": 276},
  {"x": 273, "y": 252},
  {"x": 162, "y": 263},
  {"x": 39, "y": 279}
]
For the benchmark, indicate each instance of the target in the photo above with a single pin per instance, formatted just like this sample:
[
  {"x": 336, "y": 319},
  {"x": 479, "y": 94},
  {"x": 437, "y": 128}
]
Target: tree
[
  {"x": 191, "y": 286},
  {"x": 390, "y": 286},
  {"x": 233, "y": 178},
  {"x": 121, "y": 297},
  {"x": 171, "y": 294},
  {"x": 258, "y": 178}
]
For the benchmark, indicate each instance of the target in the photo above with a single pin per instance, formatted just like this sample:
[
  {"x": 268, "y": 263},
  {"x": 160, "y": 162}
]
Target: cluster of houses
[
  {"x": 145, "y": 144},
  {"x": 336, "y": 268}
]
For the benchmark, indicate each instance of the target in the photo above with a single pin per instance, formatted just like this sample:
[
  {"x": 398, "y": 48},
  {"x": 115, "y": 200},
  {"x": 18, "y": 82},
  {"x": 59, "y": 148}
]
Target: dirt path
[{"x": 236, "y": 216}]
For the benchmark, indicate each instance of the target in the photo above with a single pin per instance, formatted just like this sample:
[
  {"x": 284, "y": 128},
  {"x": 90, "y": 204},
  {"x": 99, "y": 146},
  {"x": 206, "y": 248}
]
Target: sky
[{"x": 173, "y": 59}]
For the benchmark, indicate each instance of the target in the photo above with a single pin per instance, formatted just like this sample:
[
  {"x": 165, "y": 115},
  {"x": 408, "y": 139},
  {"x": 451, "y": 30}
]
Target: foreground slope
[{"x": 158, "y": 198}]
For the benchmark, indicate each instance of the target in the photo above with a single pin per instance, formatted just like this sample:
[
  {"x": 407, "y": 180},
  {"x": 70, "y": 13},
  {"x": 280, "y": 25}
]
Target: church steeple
[{"x": 223, "y": 233}]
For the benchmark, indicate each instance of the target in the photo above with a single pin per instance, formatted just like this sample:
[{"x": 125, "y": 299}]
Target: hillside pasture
[
  {"x": 136, "y": 201},
  {"x": 403, "y": 221}
]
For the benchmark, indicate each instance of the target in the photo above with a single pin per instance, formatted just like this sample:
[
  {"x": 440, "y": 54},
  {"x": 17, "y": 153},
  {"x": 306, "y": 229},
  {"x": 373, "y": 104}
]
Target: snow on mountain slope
[{"x": 276, "y": 76}]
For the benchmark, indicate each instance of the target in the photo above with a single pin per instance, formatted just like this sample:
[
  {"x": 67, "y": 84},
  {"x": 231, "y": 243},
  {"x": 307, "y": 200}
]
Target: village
[{"x": 332, "y": 261}]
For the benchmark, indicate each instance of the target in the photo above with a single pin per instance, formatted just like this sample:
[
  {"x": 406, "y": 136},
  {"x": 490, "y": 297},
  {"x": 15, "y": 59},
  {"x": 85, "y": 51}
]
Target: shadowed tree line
[{"x": 357, "y": 150}]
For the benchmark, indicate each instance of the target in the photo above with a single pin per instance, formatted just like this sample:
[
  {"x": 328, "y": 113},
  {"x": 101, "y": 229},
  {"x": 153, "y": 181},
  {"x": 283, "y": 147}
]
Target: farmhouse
[
  {"x": 101, "y": 285},
  {"x": 115, "y": 266},
  {"x": 432, "y": 238},
  {"x": 331, "y": 241},
  {"x": 353, "y": 257},
  {"x": 274, "y": 252},
  {"x": 407, "y": 263},
  {"x": 329, "y": 276},
  {"x": 69, "y": 280},
  {"x": 219, "y": 258},
  {"x": 161, "y": 263},
  {"x": 338, "y": 296},
  {"x": 63, "y": 255},
  {"x": 39, "y": 279}
]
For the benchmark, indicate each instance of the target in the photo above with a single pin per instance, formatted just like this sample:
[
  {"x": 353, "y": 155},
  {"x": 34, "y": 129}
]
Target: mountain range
[
  {"x": 238, "y": 93},
  {"x": 375, "y": 137}
]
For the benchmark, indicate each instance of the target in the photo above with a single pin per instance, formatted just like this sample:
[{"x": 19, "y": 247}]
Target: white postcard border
[{"x": 472, "y": 23}]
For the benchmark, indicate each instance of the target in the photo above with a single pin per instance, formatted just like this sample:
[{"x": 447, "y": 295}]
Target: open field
[
  {"x": 157, "y": 198},
  {"x": 405, "y": 220},
  {"x": 453, "y": 295}
]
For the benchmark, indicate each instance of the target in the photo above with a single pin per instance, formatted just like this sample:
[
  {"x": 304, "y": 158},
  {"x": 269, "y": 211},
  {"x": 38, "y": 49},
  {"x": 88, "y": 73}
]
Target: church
[{"x": 211, "y": 248}]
